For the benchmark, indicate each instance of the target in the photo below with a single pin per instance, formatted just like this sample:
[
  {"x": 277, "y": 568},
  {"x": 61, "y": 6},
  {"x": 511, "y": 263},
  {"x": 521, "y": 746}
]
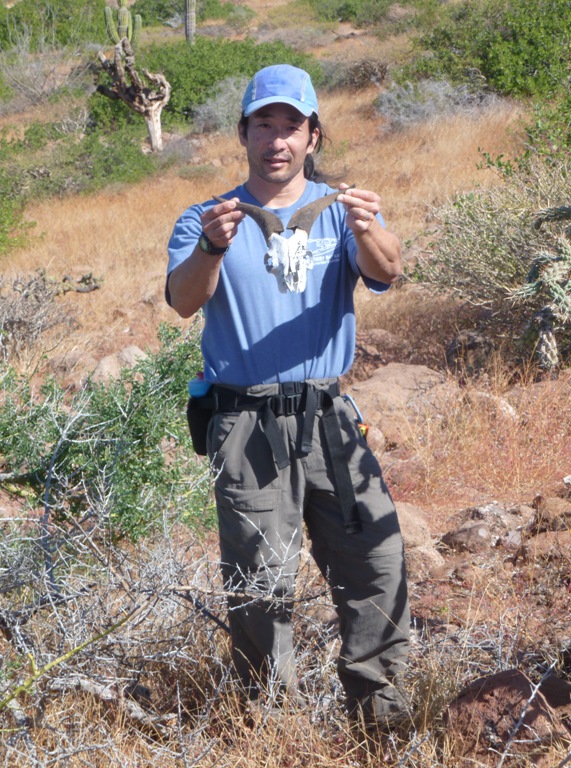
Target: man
[{"x": 285, "y": 447}]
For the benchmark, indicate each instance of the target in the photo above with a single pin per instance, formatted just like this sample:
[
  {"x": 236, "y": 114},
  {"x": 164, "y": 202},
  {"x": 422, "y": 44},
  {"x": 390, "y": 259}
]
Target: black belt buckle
[
  {"x": 284, "y": 405},
  {"x": 290, "y": 404}
]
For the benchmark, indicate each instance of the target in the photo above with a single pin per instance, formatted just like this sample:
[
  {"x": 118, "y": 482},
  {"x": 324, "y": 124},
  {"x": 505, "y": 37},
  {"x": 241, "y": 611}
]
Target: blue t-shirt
[{"x": 256, "y": 334}]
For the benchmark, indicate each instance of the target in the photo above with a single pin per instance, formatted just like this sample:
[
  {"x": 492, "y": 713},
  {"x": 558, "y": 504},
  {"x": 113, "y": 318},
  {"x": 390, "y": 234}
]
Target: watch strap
[{"x": 206, "y": 245}]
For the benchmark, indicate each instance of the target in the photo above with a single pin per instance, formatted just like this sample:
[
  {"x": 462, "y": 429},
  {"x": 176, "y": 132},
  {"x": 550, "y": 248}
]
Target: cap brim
[{"x": 303, "y": 107}]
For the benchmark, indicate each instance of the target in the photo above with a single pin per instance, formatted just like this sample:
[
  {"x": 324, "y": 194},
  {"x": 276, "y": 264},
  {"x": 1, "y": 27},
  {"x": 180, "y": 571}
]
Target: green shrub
[
  {"x": 12, "y": 227},
  {"x": 519, "y": 47},
  {"x": 119, "y": 451},
  {"x": 63, "y": 22},
  {"x": 194, "y": 71},
  {"x": 362, "y": 12},
  {"x": 109, "y": 115},
  {"x": 65, "y": 166},
  {"x": 100, "y": 160},
  {"x": 155, "y": 12},
  {"x": 549, "y": 132}
]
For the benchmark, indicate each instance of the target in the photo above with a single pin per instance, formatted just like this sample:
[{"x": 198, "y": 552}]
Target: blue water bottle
[{"x": 198, "y": 387}]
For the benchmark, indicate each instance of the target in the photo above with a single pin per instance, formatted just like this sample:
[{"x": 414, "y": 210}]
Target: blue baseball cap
[{"x": 280, "y": 84}]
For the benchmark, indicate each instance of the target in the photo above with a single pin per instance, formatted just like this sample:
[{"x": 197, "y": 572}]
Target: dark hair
[{"x": 309, "y": 170}]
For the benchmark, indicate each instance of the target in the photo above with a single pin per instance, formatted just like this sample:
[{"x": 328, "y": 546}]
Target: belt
[
  {"x": 299, "y": 397},
  {"x": 292, "y": 397}
]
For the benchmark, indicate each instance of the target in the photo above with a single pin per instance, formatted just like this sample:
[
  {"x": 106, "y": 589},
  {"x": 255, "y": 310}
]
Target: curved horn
[
  {"x": 266, "y": 220},
  {"x": 304, "y": 217}
]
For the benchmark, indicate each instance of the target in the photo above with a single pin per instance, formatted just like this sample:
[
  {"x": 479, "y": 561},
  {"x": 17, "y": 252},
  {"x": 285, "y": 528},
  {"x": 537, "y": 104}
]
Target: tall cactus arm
[
  {"x": 126, "y": 26},
  {"x": 137, "y": 26},
  {"x": 110, "y": 25}
]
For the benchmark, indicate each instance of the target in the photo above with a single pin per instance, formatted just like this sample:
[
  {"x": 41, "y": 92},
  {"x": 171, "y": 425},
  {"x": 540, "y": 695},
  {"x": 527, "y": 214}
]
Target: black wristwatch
[{"x": 206, "y": 245}]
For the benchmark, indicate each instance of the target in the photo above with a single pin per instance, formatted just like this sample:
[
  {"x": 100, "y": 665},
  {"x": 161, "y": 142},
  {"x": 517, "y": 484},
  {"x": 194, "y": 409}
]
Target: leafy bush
[
  {"x": 549, "y": 132},
  {"x": 155, "y": 12},
  {"x": 362, "y": 12},
  {"x": 62, "y": 22},
  {"x": 519, "y": 47},
  {"x": 11, "y": 210},
  {"x": 194, "y": 71},
  {"x": 49, "y": 161},
  {"x": 118, "y": 451}
]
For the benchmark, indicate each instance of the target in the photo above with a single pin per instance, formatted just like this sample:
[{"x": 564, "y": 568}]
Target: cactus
[
  {"x": 126, "y": 27},
  {"x": 190, "y": 21}
]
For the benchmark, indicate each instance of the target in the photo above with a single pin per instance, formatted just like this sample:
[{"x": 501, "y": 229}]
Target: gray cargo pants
[{"x": 261, "y": 510}]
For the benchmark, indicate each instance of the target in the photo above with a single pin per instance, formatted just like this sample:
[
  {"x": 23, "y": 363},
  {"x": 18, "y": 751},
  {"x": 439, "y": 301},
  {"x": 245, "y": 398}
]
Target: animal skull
[{"x": 287, "y": 257}]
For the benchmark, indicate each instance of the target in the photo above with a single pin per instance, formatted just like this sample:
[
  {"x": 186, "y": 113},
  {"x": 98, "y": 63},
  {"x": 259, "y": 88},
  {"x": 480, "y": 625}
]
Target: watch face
[{"x": 204, "y": 243}]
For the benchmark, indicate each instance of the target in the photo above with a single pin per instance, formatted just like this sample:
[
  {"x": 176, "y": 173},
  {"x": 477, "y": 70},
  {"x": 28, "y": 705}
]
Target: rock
[
  {"x": 388, "y": 394},
  {"x": 414, "y": 526},
  {"x": 110, "y": 367},
  {"x": 558, "y": 695},
  {"x": 422, "y": 562},
  {"x": 400, "y": 474},
  {"x": 469, "y": 353},
  {"x": 456, "y": 568},
  {"x": 469, "y": 538},
  {"x": 502, "y": 713},
  {"x": 485, "y": 402},
  {"x": 488, "y": 525},
  {"x": 421, "y": 555},
  {"x": 551, "y": 514},
  {"x": 376, "y": 440},
  {"x": 548, "y": 547}
]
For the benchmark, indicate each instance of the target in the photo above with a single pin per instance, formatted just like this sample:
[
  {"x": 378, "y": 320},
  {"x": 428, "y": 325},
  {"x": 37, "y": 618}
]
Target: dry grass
[
  {"x": 185, "y": 710},
  {"x": 491, "y": 440},
  {"x": 416, "y": 170}
]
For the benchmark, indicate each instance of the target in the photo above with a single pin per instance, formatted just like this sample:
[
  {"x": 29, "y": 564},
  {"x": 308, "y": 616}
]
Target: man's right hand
[{"x": 220, "y": 223}]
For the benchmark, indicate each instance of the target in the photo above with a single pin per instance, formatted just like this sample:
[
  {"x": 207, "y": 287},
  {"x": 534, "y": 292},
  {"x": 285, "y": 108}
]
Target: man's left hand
[{"x": 361, "y": 206}]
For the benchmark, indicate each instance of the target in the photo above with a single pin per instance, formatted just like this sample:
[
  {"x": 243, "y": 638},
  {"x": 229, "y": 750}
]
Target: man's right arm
[{"x": 192, "y": 282}]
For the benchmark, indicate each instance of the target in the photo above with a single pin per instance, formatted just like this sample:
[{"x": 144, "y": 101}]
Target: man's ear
[
  {"x": 313, "y": 141},
  {"x": 242, "y": 134}
]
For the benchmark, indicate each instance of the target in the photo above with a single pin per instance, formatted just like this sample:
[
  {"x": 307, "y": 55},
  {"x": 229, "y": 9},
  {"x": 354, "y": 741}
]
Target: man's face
[{"x": 277, "y": 141}]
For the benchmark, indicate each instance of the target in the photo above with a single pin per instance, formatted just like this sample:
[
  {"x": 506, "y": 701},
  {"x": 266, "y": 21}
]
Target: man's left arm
[{"x": 378, "y": 250}]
